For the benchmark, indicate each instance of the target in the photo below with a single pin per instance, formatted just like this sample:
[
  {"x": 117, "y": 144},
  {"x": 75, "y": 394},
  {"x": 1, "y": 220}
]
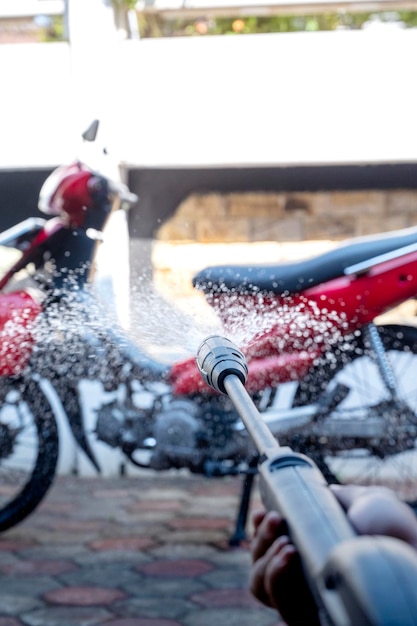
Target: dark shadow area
[
  {"x": 161, "y": 190},
  {"x": 19, "y": 192}
]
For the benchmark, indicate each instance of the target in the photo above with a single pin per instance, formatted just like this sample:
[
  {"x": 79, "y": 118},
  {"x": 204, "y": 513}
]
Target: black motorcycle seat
[{"x": 300, "y": 275}]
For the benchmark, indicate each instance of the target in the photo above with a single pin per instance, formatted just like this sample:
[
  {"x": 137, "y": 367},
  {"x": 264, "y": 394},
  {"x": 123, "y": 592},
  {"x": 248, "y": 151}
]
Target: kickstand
[{"x": 242, "y": 516}]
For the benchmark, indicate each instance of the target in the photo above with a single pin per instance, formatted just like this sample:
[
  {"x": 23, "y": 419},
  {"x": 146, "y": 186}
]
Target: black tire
[
  {"x": 390, "y": 460},
  {"x": 28, "y": 449}
]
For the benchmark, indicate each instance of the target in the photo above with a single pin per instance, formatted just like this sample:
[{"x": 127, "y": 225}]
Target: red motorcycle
[
  {"x": 52, "y": 328},
  {"x": 329, "y": 378}
]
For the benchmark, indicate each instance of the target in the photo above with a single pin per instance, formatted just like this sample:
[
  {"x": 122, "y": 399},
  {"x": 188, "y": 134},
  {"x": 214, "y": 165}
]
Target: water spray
[{"x": 355, "y": 581}]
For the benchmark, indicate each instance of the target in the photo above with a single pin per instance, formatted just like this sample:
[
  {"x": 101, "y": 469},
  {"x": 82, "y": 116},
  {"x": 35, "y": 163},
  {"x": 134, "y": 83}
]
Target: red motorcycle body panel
[
  {"x": 288, "y": 333},
  {"x": 362, "y": 298},
  {"x": 18, "y": 310},
  {"x": 185, "y": 377},
  {"x": 67, "y": 193}
]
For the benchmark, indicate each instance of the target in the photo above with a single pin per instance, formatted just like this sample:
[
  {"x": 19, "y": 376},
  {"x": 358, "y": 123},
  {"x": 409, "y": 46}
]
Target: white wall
[
  {"x": 344, "y": 97},
  {"x": 36, "y": 125},
  {"x": 277, "y": 99}
]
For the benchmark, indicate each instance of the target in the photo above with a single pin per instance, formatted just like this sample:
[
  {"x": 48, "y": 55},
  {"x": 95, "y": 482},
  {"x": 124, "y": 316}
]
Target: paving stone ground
[{"x": 142, "y": 551}]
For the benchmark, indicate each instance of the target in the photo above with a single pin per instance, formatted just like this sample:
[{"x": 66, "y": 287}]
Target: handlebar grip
[
  {"x": 123, "y": 192},
  {"x": 129, "y": 197}
]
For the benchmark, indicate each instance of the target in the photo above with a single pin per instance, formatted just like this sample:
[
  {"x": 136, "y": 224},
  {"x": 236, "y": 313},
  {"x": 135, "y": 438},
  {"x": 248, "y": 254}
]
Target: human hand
[
  {"x": 377, "y": 511},
  {"x": 277, "y": 573},
  {"x": 277, "y": 579}
]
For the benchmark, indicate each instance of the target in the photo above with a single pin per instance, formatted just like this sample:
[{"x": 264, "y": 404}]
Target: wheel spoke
[{"x": 390, "y": 459}]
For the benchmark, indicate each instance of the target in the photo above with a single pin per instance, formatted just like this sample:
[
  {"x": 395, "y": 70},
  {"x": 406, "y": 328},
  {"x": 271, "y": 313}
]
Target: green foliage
[
  {"x": 124, "y": 4},
  {"x": 155, "y": 26},
  {"x": 54, "y": 31},
  {"x": 408, "y": 17}
]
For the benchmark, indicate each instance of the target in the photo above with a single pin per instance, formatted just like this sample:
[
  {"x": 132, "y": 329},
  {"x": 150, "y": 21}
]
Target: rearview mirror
[{"x": 90, "y": 133}]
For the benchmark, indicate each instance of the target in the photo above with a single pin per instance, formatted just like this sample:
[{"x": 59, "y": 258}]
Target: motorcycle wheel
[
  {"x": 392, "y": 460},
  {"x": 28, "y": 449}
]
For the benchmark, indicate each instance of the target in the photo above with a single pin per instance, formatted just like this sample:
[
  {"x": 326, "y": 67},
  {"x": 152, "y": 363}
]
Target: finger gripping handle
[{"x": 292, "y": 484}]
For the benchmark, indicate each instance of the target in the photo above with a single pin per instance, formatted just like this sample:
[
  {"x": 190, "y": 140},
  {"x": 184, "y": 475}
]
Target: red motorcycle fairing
[
  {"x": 302, "y": 326},
  {"x": 353, "y": 300},
  {"x": 185, "y": 377},
  {"x": 18, "y": 311},
  {"x": 284, "y": 350},
  {"x": 67, "y": 193}
]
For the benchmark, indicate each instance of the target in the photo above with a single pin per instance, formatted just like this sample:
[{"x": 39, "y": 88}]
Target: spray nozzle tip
[{"x": 217, "y": 358}]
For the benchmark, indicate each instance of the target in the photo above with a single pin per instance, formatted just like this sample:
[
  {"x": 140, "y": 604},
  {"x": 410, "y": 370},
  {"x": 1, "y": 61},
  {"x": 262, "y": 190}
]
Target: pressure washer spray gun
[{"x": 355, "y": 580}]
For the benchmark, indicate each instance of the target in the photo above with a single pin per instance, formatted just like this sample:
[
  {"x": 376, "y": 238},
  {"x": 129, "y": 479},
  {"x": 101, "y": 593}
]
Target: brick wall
[
  {"x": 266, "y": 228},
  {"x": 254, "y": 217}
]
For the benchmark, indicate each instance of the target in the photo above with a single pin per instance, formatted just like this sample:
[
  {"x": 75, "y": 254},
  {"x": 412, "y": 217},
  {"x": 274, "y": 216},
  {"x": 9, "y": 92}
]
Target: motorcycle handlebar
[
  {"x": 127, "y": 198},
  {"x": 23, "y": 233}
]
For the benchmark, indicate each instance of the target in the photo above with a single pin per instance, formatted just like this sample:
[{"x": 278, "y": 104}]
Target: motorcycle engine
[
  {"x": 119, "y": 426},
  {"x": 177, "y": 433},
  {"x": 194, "y": 435}
]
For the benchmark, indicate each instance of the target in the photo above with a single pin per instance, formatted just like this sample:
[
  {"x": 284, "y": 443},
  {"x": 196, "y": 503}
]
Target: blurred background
[
  {"x": 282, "y": 122},
  {"x": 251, "y": 131}
]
